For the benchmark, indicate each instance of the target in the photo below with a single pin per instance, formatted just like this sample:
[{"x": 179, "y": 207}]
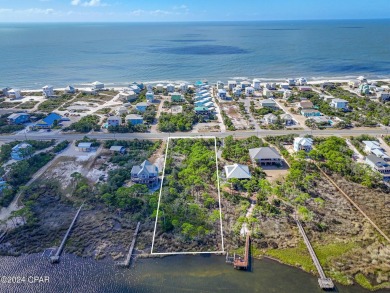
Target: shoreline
[{"x": 122, "y": 85}]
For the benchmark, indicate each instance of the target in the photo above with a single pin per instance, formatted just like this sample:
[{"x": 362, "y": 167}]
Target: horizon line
[{"x": 194, "y": 21}]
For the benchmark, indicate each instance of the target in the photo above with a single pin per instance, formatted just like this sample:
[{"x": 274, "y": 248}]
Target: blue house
[
  {"x": 18, "y": 118},
  {"x": 49, "y": 121},
  {"x": 150, "y": 97},
  {"x": 141, "y": 107},
  {"x": 222, "y": 94},
  {"x": 134, "y": 119},
  {"x": 21, "y": 151}
]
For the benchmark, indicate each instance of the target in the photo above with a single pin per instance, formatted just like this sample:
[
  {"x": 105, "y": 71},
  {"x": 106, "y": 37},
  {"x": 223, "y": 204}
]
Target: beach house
[
  {"x": 339, "y": 104},
  {"x": 70, "y": 89},
  {"x": 134, "y": 119},
  {"x": 18, "y": 118},
  {"x": 290, "y": 81},
  {"x": 129, "y": 96},
  {"x": 237, "y": 171},
  {"x": 287, "y": 94},
  {"x": 50, "y": 121},
  {"x": 310, "y": 112},
  {"x": 170, "y": 88},
  {"x": 284, "y": 86},
  {"x": 256, "y": 84},
  {"x": 244, "y": 84},
  {"x": 118, "y": 149},
  {"x": 305, "y": 88},
  {"x": 146, "y": 173},
  {"x": 301, "y": 81},
  {"x": 237, "y": 91},
  {"x": 270, "y": 118},
  {"x": 232, "y": 84},
  {"x": 379, "y": 165},
  {"x": 220, "y": 85},
  {"x": 5, "y": 90},
  {"x": 202, "y": 110},
  {"x": 150, "y": 97},
  {"x": 21, "y": 151},
  {"x": 183, "y": 87},
  {"x": 265, "y": 156},
  {"x": 249, "y": 91},
  {"x": 306, "y": 104},
  {"x": 135, "y": 88},
  {"x": 114, "y": 121},
  {"x": 48, "y": 91},
  {"x": 141, "y": 106},
  {"x": 370, "y": 145},
  {"x": 287, "y": 119},
  {"x": 177, "y": 97},
  {"x": 121, "y": 110},
  {"x": 268, "y": 103},
  {"x": 222, "y": 94},
  {"x": 88, "y": 91},
  {"x": 364, "y": 89},
  {"x": 383, "y": 96},
  {"x": 14, "y": 94},
  {"x": 303, "y": 144},
  {"x": 159, "y": 87},
  {"x": 267, "y": 93},
  {"x": 361, "y": 80},
  {"x": 97, "y": 86}
]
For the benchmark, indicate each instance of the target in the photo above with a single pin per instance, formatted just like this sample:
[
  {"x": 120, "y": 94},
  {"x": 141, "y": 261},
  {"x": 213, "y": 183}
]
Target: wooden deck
[{"x": 243, "y": 263}]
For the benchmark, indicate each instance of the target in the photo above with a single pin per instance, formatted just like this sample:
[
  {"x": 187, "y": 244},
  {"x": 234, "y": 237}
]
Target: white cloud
[
  {"x": 28, "y": 11},
  {"x": 176, "y": 10},
  {"x": 90, "y": 3}
]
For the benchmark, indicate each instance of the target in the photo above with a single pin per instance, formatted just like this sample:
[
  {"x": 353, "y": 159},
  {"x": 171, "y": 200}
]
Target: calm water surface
[
  {"x": 170, "y": 274},
  {"x": 33, "y": 55}
]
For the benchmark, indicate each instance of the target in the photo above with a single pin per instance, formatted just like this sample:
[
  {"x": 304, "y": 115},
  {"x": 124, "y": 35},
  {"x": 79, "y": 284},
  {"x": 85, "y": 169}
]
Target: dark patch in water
[
  {"x": 351, "y": 68},
  {"x": 191, "y": 41},
  {"x": 358, "y": 27},
  {"x": 279, "y": 29},
  {"x": 202, "y": 50}
]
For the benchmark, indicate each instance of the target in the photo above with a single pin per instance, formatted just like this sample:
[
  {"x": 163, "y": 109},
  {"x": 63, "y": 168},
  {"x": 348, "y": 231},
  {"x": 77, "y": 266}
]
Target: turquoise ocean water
[{"x": 33, "y": 55}]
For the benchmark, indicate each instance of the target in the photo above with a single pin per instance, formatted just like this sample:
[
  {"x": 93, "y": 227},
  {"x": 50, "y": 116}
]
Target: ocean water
[{"x": 33, "y": 55}]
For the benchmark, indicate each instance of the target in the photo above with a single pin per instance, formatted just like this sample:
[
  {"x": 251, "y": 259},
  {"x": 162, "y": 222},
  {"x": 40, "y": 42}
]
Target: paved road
[{"x": 237, "y": 134}]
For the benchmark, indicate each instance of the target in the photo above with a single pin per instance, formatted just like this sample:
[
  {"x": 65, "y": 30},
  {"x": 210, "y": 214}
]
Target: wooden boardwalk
[
  {"x": 243, "y": 264},
  {"x": 56, "y": 258},
  {"x": 126, "y": 263},
  {"x": 323, "y": 281}
]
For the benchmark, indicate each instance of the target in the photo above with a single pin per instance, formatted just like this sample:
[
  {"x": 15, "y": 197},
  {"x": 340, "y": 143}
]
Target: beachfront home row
[
  {"x": 14, "y": 94},
  {"x": 146, "y": 173},
  {"x": 128, "y": 96},
  {"x": 98, "y": 86},
  {"x": 374, "y": 147},
  {"x": 18, "y": 118}
]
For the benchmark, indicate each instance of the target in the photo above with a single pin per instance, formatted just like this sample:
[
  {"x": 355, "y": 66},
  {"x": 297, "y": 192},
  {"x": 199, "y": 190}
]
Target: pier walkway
[
  {"x": 323, "y": 281},
  {"x": 126, "y": 263},
  {"x": 240, "y": 263},
  {"x": 56, "y": 258}
]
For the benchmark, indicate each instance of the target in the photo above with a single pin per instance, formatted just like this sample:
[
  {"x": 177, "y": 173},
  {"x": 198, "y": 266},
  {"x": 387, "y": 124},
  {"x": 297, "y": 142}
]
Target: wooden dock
[
  {"x": 324, "y": 282},
  {"x": 56, "y": 258},
  {"x": 243, "y": 263},
  {"x": 126, "y": 263}
]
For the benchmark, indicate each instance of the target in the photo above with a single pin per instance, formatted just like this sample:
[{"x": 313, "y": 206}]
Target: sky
[{"x": 194, "y": 10}]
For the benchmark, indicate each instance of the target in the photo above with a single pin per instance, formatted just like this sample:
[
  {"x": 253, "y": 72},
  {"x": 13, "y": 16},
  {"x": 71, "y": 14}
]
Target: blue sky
[{"x": 195, "y": 10}]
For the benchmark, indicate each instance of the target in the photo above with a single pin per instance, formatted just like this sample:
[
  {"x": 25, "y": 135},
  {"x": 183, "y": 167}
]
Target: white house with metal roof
[
  {"x": 303, "y": 144},
  {"x": 146, "y": 173},
  {"x": 237, "y": 171}
]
